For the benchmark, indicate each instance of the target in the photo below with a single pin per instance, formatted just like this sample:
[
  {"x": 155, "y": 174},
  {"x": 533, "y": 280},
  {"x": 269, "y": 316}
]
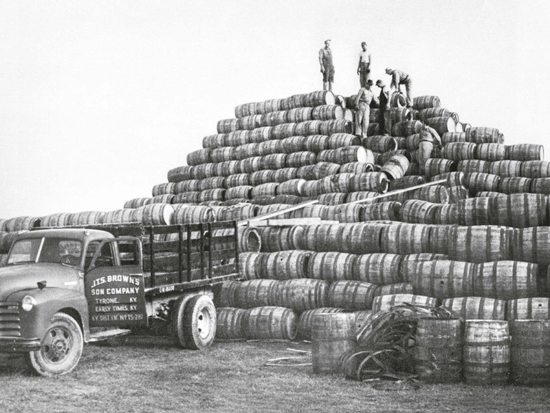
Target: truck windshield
[{"x": 56, "y": 250}]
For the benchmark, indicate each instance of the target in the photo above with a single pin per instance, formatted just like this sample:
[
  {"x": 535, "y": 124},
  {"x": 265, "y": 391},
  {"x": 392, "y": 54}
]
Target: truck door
[{"x": 114, "y": 284}]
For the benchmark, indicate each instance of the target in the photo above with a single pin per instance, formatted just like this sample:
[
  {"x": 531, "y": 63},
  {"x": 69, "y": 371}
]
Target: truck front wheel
[
  {"x": 60, "y": 349},
  {"x": 194, "y": 322}
]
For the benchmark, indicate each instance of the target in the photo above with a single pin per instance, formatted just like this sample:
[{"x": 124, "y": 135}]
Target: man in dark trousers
[
  {"x": 327, "y": 66},
  {"x": 428, "y": 137},
  {"x": 398, "y": 78},
  {"x": 384, "y": 122},
  {"x": 362, "y": 114},
  {"x": 363, "y": 69}
]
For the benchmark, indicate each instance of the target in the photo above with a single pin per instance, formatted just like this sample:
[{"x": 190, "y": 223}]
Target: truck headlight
[{"x": 28, "y": 303}]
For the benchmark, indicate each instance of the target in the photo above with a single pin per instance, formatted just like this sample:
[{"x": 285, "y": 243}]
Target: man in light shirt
[
  {"x": 327, "y": 66},
  {"x": 428, "y": 137},
  {"x": 363, "y": 69},
  {"x": 362, "y": 114},
  {"x": 398, "y": 78}
]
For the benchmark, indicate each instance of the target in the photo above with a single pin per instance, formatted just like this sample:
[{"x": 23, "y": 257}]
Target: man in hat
[
  {"x": 362, "y": 114},
  {"x": 327, "y": 67},
  {"x": 428, "y": 137},
  {"x": 363, "y": 69},
  {"x": 384, "y": 121},
  {"x": 398, "y": 78}
]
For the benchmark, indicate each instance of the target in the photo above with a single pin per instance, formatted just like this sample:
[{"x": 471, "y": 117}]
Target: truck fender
[{"x": 49, "y": 301}]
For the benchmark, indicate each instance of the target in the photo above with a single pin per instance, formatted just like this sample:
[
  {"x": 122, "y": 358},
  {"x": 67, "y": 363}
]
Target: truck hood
[{"x": 26, "y": 276}]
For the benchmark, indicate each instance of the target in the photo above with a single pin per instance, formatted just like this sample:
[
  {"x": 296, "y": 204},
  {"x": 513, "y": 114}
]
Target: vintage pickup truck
[{"x": 63, "y": 287}]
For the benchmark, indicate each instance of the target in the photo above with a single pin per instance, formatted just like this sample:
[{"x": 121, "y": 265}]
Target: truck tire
[
  {"x": 194, "y": 322},
  {"x": 60, "y": 350}
]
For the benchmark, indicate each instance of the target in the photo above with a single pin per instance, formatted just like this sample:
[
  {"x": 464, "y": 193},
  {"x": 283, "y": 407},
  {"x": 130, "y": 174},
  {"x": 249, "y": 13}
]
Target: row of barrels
[
  {"x": 279, "y": 131},
  {"x": 492, "y": 152},
  {"x": 477, "y": 243},
  {"x": 439, "y": 278},
  {"x": 504, "y": 169},
  {"x": 296, "y": 115},
  {"x": 313, "y": 99},
  {"x": 253, "y": 161}
]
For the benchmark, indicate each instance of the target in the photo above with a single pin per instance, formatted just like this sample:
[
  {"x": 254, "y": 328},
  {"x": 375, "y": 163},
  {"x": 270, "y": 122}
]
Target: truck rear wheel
[
  {"x": 194, "y": 322},
  {"x": 60, "y": 350}
]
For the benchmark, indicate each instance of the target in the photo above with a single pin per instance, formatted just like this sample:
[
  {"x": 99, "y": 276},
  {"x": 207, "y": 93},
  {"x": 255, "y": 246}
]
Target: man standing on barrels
[
  {"x": 327, "y": 67},
  {"x": 362, "y": 113},
  {"x": 428, "y": 136},
  {"x": 363, "y": 70},
  {"x": 384, "y": 122},
  {"x": 399, "y": 78}
]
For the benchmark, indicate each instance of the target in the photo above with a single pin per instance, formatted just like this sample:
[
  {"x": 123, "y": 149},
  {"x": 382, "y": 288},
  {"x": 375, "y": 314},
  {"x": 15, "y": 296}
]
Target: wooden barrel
[
  {"x": 486, "y": 352},
  {"x": 434, "y": 166},
  {"x": 164, "y": 188},
  {"x": 256, "y": 293},
  {"x": 351, "y": 295},
  {"x": 476, "y": 211},
  {"x": 339, "y": 140},
  {"x": 480, "y": 243},
  {"x": 409, "y": 263},
  {"x": 405, "y": 238},
  {"x": 270, "y": 322},
  {"x": 406, "y": 182},
  {"x": 438, "y": 350},
  {"x": 439, "y": 238},
  {"x": 310, "y": 211},
  {"x": 479, "y": 181},
  {"x": 285, "y": 174},
  {"x": 317, "y": 143},
  {"x": 212, "y": 195},
  {"x": 520, "y": 210},
  {"x": 526, "y": 152},
  {"x": 505, "y": 169},
  {"x": 157, "y": 214},
  {"x": 336, "y": 198},
  {"x": 448, "y": 214},
  {"x": 293, "y": 144},
  {"x": 506, "y": 280},
  {"x": 303, "y": 294},
  {"x": 329, "y": 127},
  {"x": 398, "y": 100},
  {"x": 361, "y": 238},
  {"x": 227, "y": 168},
  {"x": 331, "y": 266},
  {"x": 192, "y": 197},
  {"x": 514, "y": 185},
  {"x": 292, "y": 187},
  {"x": 482, "y": 134},
  {"x": 458, "y": 151},
  {"x": 534, "y": 308},
  {"x": 433, "y": 113},
  {"x": 356, "y": 196},
  {"x": 491, "y": 152},
  {"x": 239, "y": 192},
  {"x": 318, "y": 98},
  {"x": 379, "y": 269},
  {"x": 333, "y": 336},
  {"x": 400, "y": 115},
  {"x": 356, "y": 167},
  {"x": 248, "y": 239},
  {"x": 214, "y": 141},
  {"x": 406, "y": 128},
  {"x": 535, "y": 169},
  {"x": 396, "y": 167},
  {"x": 251, "y": 165},
  {"x": 189, "y": 214},
  {"x": 425, "y": 102},
  {"x": 229, "y": 323},
  {"x": 353, "y": 154},
  {"x": 530, "y": 352},
  {"x": 215, "y": 182},
  {"x": 473, "y": 165},
  {"x": 450, "y": 137},
  {"x": 285, "y": 130},
  {"x": 227, "y": 125},
  {"x": 492, "y": 194},
  {"x": 370, "y": 181},
  {"x": 274, "y": 161},
  {"x": 323, "y": 169},
  {"x": 416, "y": 211},
  {"x": 412, "y": 142},
  {"x": 60, "y": 219},
  {"x": 297, "y": 115},
  {"x": 381, "y": 143},
  {"x": 226, "y": 295},
  {"x": 442, "y": 124},
  {"x": 443, "y": 279},
  {"x": 540, "y": 186},
  {"x": 386, "y": 302},
  {"x": 181, "y": 173},
  {"x": 321, "y": 238},
  {"x": 252, "y": 265},
  {"x": 199, "y": 156},
  {"x": 476, "y": 308},
  {"x": 286, "y": 265},
  {"x": 305, "y": 321},
  {"x": 267, "y": 189},
  {"x": 298, "y": 159},
  {"x": 383, "y": 211},
  {"x": 531, "y": 245},
  {"x": 275, "y": 239},
  {"x": 261, "y": 177},
  {"x": 191, "y": 185}
]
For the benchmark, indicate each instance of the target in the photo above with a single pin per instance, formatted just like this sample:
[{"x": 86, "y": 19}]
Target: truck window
[
  {"x": 61, "y": 251},
  {"x": 24, "y": 251},
  {"x": 105, "y": 257},
  {"x": 129, "y": 253}
]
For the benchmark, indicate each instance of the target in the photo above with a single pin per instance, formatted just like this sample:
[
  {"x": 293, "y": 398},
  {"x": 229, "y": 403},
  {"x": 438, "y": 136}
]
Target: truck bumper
[{"x": 18, "y": 344}]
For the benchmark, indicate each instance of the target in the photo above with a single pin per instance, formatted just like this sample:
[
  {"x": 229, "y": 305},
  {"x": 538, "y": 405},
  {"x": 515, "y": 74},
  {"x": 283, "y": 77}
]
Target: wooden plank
[
  {"x": 285, "y": 222},
  {"x": 396, "y": 192},
  {"x": 180, "y": 287},
  {"x": 277, "y": 213}
]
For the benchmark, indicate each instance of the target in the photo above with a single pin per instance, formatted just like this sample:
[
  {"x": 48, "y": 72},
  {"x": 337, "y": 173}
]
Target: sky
[{"x": 99, "y": 99}]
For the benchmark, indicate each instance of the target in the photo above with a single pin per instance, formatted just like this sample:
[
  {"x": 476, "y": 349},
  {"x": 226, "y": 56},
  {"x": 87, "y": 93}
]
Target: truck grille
[{"x": 9, "y": 320}]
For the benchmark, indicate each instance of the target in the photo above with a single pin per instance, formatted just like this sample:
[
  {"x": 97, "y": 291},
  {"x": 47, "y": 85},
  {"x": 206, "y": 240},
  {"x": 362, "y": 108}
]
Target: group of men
[{"x": 365, "y": 97}]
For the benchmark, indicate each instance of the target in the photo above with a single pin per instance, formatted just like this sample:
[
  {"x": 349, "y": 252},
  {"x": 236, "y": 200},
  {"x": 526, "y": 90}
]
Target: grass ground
[{"x": 149, "y": 374}]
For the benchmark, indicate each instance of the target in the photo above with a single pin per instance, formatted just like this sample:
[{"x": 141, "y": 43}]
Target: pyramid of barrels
[{"x": 476, "y": 242}]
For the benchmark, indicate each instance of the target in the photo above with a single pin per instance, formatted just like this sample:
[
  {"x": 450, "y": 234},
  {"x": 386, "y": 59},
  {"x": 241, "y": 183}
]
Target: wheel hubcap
[
  {"x": 56, "y": 345},
  {"x": 204, "y": 322}
]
